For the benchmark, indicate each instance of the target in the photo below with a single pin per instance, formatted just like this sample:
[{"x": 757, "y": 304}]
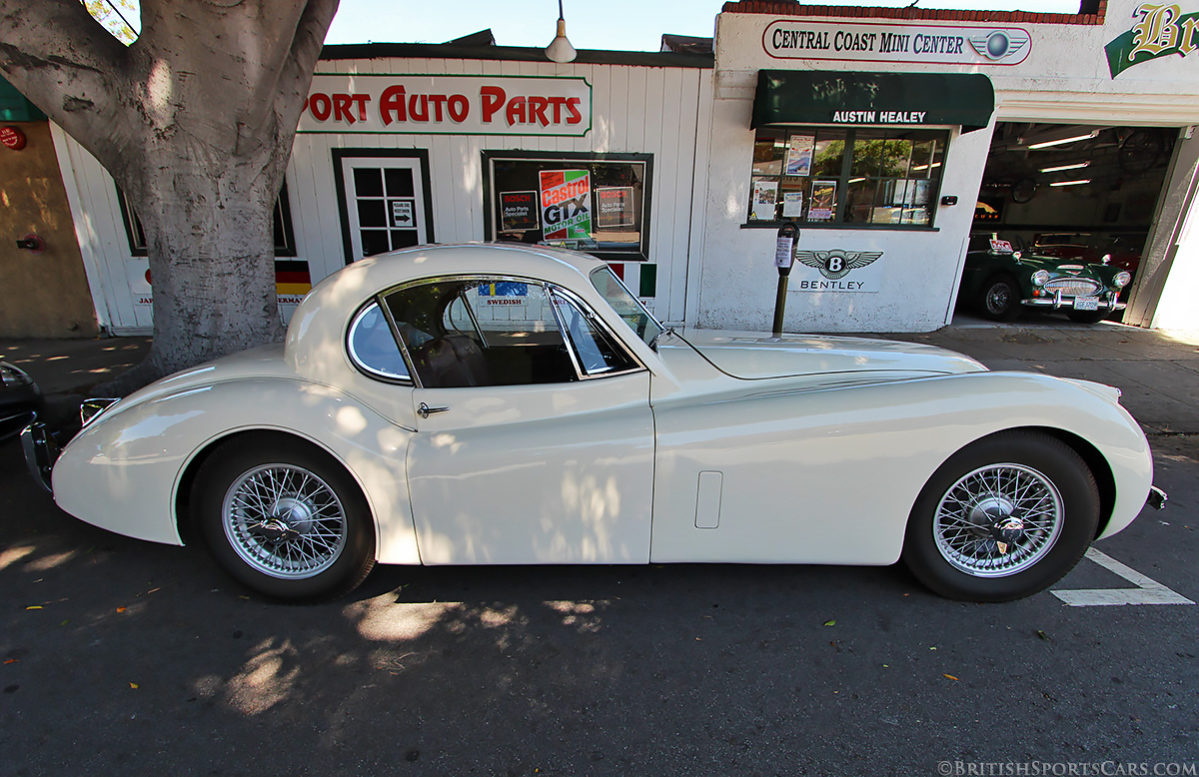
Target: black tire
[
  {"x": 1087, "y": 316},
  {"x": 969, "y": 546},
  {"x": 999, "y": 299},
  {"x": 262, "y": 538}
]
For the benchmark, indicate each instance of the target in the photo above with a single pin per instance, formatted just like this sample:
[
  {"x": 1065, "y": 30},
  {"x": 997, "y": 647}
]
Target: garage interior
[{"x": 1073, "y": 190}]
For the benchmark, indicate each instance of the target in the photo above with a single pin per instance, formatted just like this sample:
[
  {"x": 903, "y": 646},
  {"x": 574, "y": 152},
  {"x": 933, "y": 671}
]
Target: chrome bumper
[
  {"x": 1157, "y": 498},
  {"x": 41, "y": 451},
  {"x": 1057, "y": 302}
]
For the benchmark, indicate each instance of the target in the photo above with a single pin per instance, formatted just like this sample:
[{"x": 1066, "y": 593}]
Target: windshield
[{"x": 626, "y": 305}]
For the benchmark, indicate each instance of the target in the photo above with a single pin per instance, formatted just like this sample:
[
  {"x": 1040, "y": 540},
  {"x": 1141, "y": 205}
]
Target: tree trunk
[
  {"x": 195, "y": 121},
  {"x": 211, "y": 250}
]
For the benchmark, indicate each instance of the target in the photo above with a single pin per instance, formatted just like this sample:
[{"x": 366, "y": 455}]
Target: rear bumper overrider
[{"x": 41, "y": 451}]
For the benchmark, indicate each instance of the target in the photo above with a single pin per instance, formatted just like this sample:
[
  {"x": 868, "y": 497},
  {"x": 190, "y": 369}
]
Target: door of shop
[{"x": 384, "y": 203}]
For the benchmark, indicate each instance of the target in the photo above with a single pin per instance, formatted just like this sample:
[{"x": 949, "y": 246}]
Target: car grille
[{"x": 1073, "y": 287}]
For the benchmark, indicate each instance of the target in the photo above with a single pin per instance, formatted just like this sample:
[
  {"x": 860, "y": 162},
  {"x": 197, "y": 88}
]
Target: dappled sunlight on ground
[
  {"x": 382, "y": 619},
  {"x": 266, "y": 679}
]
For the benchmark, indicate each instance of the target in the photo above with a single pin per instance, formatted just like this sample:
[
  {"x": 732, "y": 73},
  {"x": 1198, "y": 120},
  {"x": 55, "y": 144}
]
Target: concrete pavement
[{"x": 123, "y": 657}]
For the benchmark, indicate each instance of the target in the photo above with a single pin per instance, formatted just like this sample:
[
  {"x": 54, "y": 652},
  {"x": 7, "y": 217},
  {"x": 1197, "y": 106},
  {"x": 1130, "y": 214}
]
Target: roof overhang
[{"x": 886, "y": 99}]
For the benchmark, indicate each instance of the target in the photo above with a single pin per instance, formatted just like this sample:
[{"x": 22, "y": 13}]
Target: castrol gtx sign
[{"x": 447, "y": 105}]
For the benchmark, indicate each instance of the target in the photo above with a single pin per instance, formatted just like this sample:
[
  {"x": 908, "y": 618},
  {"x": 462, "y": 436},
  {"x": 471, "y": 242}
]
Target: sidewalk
[{"x": 1157, "y": 371}]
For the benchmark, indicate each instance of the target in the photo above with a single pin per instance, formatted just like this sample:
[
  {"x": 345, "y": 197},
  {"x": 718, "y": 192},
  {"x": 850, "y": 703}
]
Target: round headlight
[
  {"x": 1040, "y": 277},
  {"x": 1122, "y": 278}
]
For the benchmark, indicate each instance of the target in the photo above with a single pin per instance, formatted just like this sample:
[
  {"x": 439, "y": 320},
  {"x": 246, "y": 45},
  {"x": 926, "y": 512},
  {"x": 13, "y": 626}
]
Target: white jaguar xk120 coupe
[{"x": 491, "y": 404}]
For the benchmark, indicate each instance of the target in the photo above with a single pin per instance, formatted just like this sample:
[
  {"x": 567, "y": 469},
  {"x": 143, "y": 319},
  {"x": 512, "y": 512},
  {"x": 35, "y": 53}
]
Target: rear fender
[{"x": 123, "y": 472}]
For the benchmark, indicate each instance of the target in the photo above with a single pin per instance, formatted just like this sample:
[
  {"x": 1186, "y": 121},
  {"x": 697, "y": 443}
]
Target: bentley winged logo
[{"x": 836, "y": 264}]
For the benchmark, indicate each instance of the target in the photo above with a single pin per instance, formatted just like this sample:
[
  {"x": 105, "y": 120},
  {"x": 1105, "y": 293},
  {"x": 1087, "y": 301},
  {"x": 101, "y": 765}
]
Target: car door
[{"x": 534, "y": 435}]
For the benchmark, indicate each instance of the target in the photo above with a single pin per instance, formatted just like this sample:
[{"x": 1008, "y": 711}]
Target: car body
[
  {"x": 1121, "y": 250},
  {"x": 1000, "y": 280},
  {"x": 20, "y": 399},
  {"x": 495, "y": 404}
]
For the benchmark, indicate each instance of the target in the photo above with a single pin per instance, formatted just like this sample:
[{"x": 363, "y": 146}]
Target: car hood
[
  {"x": 1062, "y": 265},
  {"x": 757, "y": 356}
]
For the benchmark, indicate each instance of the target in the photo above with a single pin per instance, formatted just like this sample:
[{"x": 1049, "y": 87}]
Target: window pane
[
  {"x": 867, "y": 148},
  {"x": 371, "y": 213},
  {"x": 595, "y": 350},
  {"x": 403, "y": 238},
  {"x": 626, "y": 305},
  {"x": 374, "y": 241},
  {"x": 373, "y": 347},
  {"x": 830, "y": 151},
  {"x": 581, "y": 203},
  {"x": 814, "y": 184},
  {"x": 368, "y": 182},
  {"x": 895, "y": 156},
  {"x": 769, "y": 150},
  {"x": 399, "y": 182},
  {"x": 860, "y": 205},
  {"x": 518, "y": 340}
]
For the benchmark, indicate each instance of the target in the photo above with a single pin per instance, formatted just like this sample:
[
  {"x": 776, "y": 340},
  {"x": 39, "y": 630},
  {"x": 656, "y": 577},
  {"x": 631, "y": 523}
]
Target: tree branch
[
  {"x": 292, "y": 87},
  {"x": 65, "y": 60}
]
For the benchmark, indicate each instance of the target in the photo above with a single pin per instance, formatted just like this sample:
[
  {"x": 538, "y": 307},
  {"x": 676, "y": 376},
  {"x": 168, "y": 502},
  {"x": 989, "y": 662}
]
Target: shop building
[
  {"x": 889, "y": 135},
  {"x": 403, "y": 144}
]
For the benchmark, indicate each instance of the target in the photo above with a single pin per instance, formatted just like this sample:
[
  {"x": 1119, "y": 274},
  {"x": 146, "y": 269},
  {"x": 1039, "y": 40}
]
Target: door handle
[{"x": 424, "y": 411}]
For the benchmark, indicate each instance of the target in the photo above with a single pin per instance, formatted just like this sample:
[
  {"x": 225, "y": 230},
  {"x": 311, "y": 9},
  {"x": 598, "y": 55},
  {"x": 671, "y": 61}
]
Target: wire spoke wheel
[
  {"x": 284, "y": 521},
  {"x": 998, "y": 520},
  {"x": 999, "y": 297}
]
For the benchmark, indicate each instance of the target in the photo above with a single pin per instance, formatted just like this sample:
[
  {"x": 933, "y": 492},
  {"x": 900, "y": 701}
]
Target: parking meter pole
[
  {"x": 784, "y": 257},
  {"x": 780, "y": 302}
]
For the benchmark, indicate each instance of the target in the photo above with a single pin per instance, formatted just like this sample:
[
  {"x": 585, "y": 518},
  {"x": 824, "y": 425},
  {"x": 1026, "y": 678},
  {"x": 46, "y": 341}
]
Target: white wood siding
[{"x": 635, "y": 109}]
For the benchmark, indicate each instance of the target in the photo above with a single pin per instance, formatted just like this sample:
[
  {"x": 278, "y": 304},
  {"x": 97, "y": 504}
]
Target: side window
[
  {"x": 373, "y": 347},
  {"x": 481, "y": 333},
  {"x": 597, "y": 352}
]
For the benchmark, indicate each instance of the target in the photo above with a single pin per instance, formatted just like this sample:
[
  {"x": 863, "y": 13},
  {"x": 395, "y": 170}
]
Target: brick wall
[{"x": 785, "y": 8}]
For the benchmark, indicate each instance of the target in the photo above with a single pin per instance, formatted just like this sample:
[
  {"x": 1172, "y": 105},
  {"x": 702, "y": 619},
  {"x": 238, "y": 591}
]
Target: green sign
[
  {"x": 1161, "y": 30},
  {"x": 844, "y": 97}
]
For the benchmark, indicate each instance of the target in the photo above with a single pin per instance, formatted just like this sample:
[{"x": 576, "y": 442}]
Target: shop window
[
  {"x": 846, "y": 176},
  {"x": 597, "y": 203},
  {"x": 285, "y": 240}
]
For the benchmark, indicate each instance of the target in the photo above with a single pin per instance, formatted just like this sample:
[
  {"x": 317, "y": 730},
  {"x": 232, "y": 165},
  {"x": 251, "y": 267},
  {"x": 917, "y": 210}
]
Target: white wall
[
  {"x": 644, "y": 110},
  {"x": 1065, "y": 79},
  {"x": 917, "y": 272}
]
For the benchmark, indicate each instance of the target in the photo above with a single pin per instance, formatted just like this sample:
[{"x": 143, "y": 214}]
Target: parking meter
[{"x": 784, "y": 257}]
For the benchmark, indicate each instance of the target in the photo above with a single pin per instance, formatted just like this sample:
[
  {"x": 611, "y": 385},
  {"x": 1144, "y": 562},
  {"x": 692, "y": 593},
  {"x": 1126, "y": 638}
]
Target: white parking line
[{"x": 1147, "y": 591}]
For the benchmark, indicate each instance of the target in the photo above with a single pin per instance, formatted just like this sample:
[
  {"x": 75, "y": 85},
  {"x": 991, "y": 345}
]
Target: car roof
[{"x": 326, "y": 311}]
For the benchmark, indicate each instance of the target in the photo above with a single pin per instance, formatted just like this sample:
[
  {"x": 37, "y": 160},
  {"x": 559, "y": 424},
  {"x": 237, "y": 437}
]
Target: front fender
[
  {"x": 123, "y": 472},
  {"x": 829, "y": 475}
]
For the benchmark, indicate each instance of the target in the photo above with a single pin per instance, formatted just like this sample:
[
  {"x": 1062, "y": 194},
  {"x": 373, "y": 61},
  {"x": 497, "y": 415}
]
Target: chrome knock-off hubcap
[
  {"x": 998, "y": 520},
  {"x": 284, "y": 521}
]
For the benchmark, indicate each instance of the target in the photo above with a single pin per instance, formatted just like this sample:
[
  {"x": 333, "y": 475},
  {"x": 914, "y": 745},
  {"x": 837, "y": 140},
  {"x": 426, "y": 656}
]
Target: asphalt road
[{"x": 122, "y": 657}]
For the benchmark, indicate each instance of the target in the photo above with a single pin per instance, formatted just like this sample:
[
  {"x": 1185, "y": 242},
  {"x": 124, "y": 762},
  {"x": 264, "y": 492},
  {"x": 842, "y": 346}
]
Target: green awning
[
  {"x": 887, "y": 99},
  {"x": 14, "y": 106}
]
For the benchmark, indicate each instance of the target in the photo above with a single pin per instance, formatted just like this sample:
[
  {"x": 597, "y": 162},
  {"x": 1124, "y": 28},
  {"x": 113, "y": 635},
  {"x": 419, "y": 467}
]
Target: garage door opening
[{"x": 1061, "y": 221}]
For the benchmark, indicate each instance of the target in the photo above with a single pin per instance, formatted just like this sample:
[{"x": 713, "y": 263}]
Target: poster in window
[
  {"x": 403, "y": 214},
  {"x": 824, "y": 200},
  {"x": 518, "y": 212},
  {"x": 614, "y": 207},
  {"x": 799, "y": 154},
  {"x": 765, "y": 195},
  {"x": 565, "y": 204},
  {"x": 792, "y": 205}
]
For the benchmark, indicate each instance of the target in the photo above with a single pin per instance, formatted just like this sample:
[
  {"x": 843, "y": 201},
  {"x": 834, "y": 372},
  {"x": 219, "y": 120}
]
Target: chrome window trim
[
  {"x": 590, "y": 279},
  {"x": 360, "y": 364},
  {"x": 547, "y": 285},
  {"x": 590, "y": 315}
]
